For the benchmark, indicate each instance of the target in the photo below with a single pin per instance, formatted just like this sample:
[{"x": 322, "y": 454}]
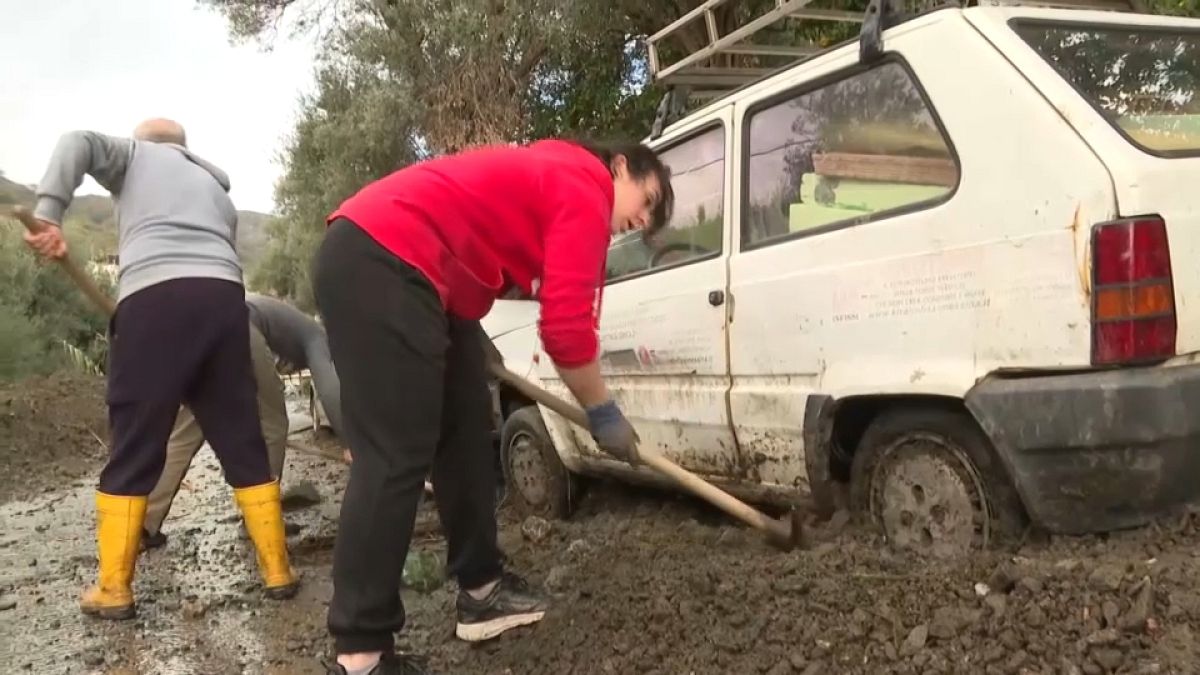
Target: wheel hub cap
[
  {"x": 529, "y": 472},
  {"x": 927, "y": 495}
]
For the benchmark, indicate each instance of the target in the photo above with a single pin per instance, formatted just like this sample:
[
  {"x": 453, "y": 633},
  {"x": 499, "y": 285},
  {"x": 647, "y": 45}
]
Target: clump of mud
[
  {"x": 52, "y": 430},
  {"x": 665, "y": 588}
]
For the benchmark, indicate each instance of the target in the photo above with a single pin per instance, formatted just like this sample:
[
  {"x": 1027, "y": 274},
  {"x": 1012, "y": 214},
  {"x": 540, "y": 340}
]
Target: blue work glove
[{"x": 612, "y": 432}]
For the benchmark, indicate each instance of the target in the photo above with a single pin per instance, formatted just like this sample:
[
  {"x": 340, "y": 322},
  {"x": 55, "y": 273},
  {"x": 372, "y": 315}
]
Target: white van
[{"x": 954, "y": 278}]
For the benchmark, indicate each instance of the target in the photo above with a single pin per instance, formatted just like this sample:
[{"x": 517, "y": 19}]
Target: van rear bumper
[{"x": 1097, "y": 451}]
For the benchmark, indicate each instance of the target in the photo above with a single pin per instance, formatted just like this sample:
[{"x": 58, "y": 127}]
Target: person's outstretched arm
[{"x": 78, "y": 153}]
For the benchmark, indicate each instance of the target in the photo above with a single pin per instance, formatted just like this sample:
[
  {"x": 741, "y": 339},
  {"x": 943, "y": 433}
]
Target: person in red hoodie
[{"x": 407, "y": 268}]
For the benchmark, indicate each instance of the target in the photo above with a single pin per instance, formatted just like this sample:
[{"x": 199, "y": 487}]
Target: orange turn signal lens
[{"x": 1133, "y": 302}]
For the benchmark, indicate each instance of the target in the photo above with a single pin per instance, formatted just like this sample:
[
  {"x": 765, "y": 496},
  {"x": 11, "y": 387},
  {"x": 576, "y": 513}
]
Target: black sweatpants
[
  {"x": 182, "y": 341},
  {"x": 414, "y": 398}
]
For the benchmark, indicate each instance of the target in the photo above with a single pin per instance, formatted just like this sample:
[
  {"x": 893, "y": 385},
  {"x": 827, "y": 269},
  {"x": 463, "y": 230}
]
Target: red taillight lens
[
  {"x": 1128, "y": 251},
  {"x": 1133, "y": 301},
  {"x": 1133, "y": 341}
]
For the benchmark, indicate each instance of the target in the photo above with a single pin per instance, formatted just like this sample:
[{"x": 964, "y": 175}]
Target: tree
[
  {"x": 42, "y": 314},
  {"x": 359, "y": 125},
  {"x": 486, "y": 71}
]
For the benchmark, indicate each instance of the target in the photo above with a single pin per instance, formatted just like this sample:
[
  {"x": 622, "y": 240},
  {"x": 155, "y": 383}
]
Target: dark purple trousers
[{"x": 183, "y": 341}]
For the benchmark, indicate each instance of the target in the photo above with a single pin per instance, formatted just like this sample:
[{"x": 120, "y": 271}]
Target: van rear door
[{"x": 1129, "y": 84}]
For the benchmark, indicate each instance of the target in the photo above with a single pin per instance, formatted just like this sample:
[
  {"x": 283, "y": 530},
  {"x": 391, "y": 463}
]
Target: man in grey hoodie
[{"x": 180, "y": 335}]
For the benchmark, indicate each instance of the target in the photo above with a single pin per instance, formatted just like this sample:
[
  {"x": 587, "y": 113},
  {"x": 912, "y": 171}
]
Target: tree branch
[{"x": 533, "y": 56}]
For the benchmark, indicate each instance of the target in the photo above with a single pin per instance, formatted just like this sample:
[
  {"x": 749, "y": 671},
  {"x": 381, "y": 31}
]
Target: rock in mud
[
  {"x": 915, "y": 641},
  {"x": 1109, "y": 659},
  {"x": 1106, "y": 577},
  {"x": 300, "y": 496},
  {"x": 997, "y": 603},
  {"x": 1143, "y": 604},
  {"x": 1066, "y": 667},
  {"x": 1015, "y": 661},
  {"x": 1036, "y": 617},
  {"x": 1009, "y": 639},
  {"x": 946, "y": 622},
  {"x": 1031, "y": 585},
  {"x": 7, "y": 602},
  {"x": 559, "y": 578},
  {"x": 93, "y": 657},
  {"x": 1110, "y": 611},
  {"x": 781, "y": 668},
  {"x": 578, "y": 547},
  {"x": 194, "y": 609},
  {"x": 535, "y": 529},
  {"x": 1003, "y": 578},
  {"x": 1103, "y": 637},
  {"x": 1067, "y": 564}
]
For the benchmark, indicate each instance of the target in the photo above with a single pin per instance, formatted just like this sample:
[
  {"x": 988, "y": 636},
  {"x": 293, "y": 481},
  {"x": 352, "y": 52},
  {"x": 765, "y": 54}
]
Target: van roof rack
[
  {"x": 719, "y": 57},
  {"x": 711, "y": 65}
]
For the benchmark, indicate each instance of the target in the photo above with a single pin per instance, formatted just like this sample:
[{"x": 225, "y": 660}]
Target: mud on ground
[
  {"x": 52, "y": 429},
  {"x": 643, "y": 583}
]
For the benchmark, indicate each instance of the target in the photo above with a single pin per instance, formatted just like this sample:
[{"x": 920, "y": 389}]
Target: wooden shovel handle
[
  {"x": 686, "y": 479},
  {"x": 81, "y": 278}
]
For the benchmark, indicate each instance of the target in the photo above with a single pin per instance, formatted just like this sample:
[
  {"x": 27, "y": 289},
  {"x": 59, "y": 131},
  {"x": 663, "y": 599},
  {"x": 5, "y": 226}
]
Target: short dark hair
[{"x": 642, "y": 162}]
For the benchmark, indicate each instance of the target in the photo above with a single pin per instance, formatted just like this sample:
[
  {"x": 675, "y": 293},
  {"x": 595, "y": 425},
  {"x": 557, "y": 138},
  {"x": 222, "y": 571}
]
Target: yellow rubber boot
[
  {"x": 118, "y": 537},
  {"x": 264, "y": 523}
]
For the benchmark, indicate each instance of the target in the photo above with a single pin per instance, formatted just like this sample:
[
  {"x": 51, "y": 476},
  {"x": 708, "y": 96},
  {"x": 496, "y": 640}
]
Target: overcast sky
[{"x": 104, "y": 66}]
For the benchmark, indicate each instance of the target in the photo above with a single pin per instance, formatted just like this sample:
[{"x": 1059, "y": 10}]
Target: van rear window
[{"x": 1142, "y": 79}]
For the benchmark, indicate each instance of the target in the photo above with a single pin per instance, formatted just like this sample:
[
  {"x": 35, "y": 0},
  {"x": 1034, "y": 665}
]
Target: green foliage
[
  {"x": 41, "y": 312},
  {"x": 22, "y": 352},
  {"x": 357, "y": 127},
  {"x": 43, "y": 317}
]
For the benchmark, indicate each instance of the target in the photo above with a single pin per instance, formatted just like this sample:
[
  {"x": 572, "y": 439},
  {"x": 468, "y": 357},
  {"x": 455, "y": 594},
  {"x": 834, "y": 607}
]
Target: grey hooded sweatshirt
[
  {"x": 174, "y": 216},
  {"x": 301, "y": 342}
]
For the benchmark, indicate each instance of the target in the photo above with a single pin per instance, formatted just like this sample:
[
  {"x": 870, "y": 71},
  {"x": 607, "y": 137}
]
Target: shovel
[
  {"x": 786, "y": 533},
  {"x": 81, "y": 278}
]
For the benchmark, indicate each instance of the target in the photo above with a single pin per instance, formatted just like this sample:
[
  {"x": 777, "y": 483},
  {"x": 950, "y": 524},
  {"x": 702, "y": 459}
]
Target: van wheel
[
  {"x": 536, "y": 481},
  {"x": 929, "y": 479}
]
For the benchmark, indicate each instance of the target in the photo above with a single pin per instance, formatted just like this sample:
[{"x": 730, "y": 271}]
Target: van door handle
[{"x": 715, "y": 298}]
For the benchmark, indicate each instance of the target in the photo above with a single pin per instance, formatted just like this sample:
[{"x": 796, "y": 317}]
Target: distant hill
[{"x": 94, "y": 214}]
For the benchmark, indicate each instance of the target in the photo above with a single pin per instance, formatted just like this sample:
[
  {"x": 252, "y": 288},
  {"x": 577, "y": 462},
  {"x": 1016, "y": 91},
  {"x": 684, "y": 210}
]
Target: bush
[
  {"x": 43, "y": 317},
  {"x": 22, "y": 346}
]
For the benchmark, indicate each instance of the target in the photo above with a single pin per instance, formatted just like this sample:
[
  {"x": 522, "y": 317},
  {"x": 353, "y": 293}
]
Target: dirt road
[{"x": 644, "y": 582}]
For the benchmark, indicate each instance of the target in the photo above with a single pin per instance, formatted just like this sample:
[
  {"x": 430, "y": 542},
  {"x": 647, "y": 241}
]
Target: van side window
[
  {"x": 849, "y": 152},
  {"x": 696, "y": 229}
]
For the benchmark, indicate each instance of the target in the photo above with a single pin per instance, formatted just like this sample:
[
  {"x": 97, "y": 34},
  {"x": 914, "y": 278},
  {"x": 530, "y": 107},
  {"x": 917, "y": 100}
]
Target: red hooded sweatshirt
[{"x": 479, "y": 223}]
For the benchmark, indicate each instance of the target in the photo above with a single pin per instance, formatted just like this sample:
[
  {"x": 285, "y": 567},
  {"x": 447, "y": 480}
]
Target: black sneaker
[
  {"x": 390, "y": 664},
  {"x": 153, "y": 541},
  {"x": 511, "y": 603}
]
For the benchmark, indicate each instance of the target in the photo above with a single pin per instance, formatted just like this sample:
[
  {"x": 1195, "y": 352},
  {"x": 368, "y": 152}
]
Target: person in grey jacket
[
  {"x": 277, "y": 331},
  {"x": 180, "y": 334}
]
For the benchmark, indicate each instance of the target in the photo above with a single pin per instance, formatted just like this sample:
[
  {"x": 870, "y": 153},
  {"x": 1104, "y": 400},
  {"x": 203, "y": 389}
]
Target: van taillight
[{"x": 1133, "y": 302}]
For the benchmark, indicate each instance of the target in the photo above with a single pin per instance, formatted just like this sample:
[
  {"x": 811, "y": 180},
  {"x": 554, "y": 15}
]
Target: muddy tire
[
  {"x": 930, "y": 480},
  {"x": 536, "y": 482}
]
